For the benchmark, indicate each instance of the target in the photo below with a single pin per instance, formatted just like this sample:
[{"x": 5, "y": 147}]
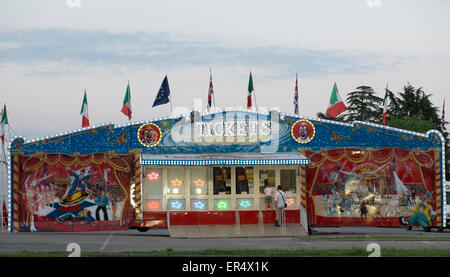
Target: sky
[{"x": 51, "y": 51}]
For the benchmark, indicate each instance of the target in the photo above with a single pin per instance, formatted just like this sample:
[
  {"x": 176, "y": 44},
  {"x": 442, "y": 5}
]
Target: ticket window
[
  {"x": 288, "y": 180},
  {"x": 244, "y": 180},
  {"x": 267, "y": 178},
  {"x": 152, "y": 189},
  {"x": 222, "y": 180},
  {"x": 153, "y": 182},
  {"x": 176, "y": 181},
  {"x": 267, "y": 183},
  {"x": 199, "y": 183}
]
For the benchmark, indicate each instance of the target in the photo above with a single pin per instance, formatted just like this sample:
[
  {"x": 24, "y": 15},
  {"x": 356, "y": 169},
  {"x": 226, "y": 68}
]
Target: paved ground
[
  {"x": 229, "y": 231},
  {"x": 158, "y": 239}
]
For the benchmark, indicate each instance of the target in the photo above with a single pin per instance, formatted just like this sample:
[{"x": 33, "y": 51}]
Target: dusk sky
[{"x": 52, "y": 50}]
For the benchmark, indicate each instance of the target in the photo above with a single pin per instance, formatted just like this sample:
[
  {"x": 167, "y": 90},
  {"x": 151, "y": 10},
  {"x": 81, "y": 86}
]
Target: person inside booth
[{"x": 268, "y": 192}]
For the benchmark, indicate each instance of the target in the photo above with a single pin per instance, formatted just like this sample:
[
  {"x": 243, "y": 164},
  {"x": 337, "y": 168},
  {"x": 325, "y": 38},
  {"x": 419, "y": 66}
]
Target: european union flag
[{"x": 163, "y": 94}]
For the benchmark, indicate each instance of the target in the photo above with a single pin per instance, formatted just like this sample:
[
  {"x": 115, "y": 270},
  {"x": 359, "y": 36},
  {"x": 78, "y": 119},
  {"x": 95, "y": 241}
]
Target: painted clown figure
[
  {"x": 422, "y": 214},
  {"x": 303, "y": 132}
]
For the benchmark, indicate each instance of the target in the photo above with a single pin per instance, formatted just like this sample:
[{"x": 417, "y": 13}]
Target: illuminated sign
[
  {"x": 152, "y": 176},
  {"x": 245, "y": 203},
  {"x": 290, "y": 202},
  {"x": 222, "y": 130},
  {"x": 233, "y": 129},
  {"x": 176, "y": 204},
  {"x": 176, "y": 182},
  {"x": 222, "y": 205},
  {"x": 153, "y": 205},
  {"x": 199, "y": 183},
  {"x": 199, "y": 204}
]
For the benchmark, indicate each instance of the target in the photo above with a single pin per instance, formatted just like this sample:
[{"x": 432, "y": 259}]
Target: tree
[
  {"x": 414, "y": 102},
  {"x": 415, "y": 123},
  {"x": 414, "y": 111},
  {"x": 363, "y": 105}
]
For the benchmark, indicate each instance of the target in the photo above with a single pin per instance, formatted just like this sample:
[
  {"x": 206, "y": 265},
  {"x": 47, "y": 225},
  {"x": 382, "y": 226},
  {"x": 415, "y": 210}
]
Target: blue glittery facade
[{"x": 328, "y": 135}]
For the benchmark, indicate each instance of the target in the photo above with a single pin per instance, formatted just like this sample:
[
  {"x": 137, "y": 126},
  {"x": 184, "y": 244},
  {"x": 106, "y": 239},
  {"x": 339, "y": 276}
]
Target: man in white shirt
[{"x": 280, "y": 202}]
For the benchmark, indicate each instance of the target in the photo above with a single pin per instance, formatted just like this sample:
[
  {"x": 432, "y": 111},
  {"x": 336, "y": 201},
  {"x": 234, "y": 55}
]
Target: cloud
[{"x": 156, "y": 50}]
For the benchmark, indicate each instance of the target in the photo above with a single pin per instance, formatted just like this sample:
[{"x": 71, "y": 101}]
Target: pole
[
  {"x": 170, "y": 98},
  {"x": 171, "y": 109},
  {"x": 214, "y": 95},
  {"x": 254, "y": 93},
  {"x": 256, "y": 105},
  {"x": 4, "y": 172},
  {"x": 129, "y": 119},
  {"x": 296, "y": 87},
  {"x": 2, "y": 190}
]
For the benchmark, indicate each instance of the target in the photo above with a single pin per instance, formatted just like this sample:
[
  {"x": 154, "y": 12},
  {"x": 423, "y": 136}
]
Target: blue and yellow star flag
[{"x": 163, "y": 94}]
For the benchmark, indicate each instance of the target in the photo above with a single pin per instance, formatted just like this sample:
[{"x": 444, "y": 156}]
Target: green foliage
[
  {"x": 415, "y": 102},
  {"x": 363, "y": 105},
  {"x": 415, "y": 123}
]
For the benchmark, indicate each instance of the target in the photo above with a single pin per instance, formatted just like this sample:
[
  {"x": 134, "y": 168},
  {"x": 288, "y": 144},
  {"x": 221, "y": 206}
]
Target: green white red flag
[
  {"x": 84, "y": 112},
  {"x": 336, "y": 106},
  {"x": 126, "y": 108},
  {"x": 250, "y": 89},
  {"x": 3, "y": 123}
]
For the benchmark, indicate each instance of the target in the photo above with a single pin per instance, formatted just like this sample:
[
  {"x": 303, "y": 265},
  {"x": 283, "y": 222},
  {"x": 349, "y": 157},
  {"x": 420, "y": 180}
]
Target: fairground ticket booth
[{"x": 204, "y": 169}]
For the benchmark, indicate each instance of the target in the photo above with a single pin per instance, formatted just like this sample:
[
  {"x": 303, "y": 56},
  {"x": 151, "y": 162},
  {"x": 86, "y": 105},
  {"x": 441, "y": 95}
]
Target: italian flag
[
  {"x": 386, "y": 104},
  {"x": 3, "y": 123},
  {"x": 84, "y": 112},
  {"x": 336, "y": 106},
  {"x": 126, "y": 108},
  {"x": 249, "y": 95}
]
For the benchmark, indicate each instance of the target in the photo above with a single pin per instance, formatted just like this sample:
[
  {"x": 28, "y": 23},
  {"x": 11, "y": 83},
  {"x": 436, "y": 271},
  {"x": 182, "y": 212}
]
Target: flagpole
[
  {"x": 170, "y": 98},
  {"x": 4, "y": 165},
  {"x": 214, "y": 95},
  {"x": 296, "y": 92},
  {"x": 3, "y": 174},
  {"x": 129, "y": 119},
  {"x": 254, "y": 93},
  {"x": 443, "y": 129},
  {"x": 256, "y": 105}
]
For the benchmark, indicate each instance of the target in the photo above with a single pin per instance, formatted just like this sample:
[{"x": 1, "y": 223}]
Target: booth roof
[{"x": 225, "y": 159}]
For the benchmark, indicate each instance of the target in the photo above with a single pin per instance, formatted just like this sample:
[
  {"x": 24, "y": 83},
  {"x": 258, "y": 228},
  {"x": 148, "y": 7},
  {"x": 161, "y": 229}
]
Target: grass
[
  {"x": 350, "y": 252},
  {"x": 374, "y": 237}
]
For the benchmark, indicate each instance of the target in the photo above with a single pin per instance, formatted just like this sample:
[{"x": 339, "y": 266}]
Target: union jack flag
[
  {"x": 210, "y": 91},
  {"x": 443, "y": 129},
  {"x": 296, "y": 96}
]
